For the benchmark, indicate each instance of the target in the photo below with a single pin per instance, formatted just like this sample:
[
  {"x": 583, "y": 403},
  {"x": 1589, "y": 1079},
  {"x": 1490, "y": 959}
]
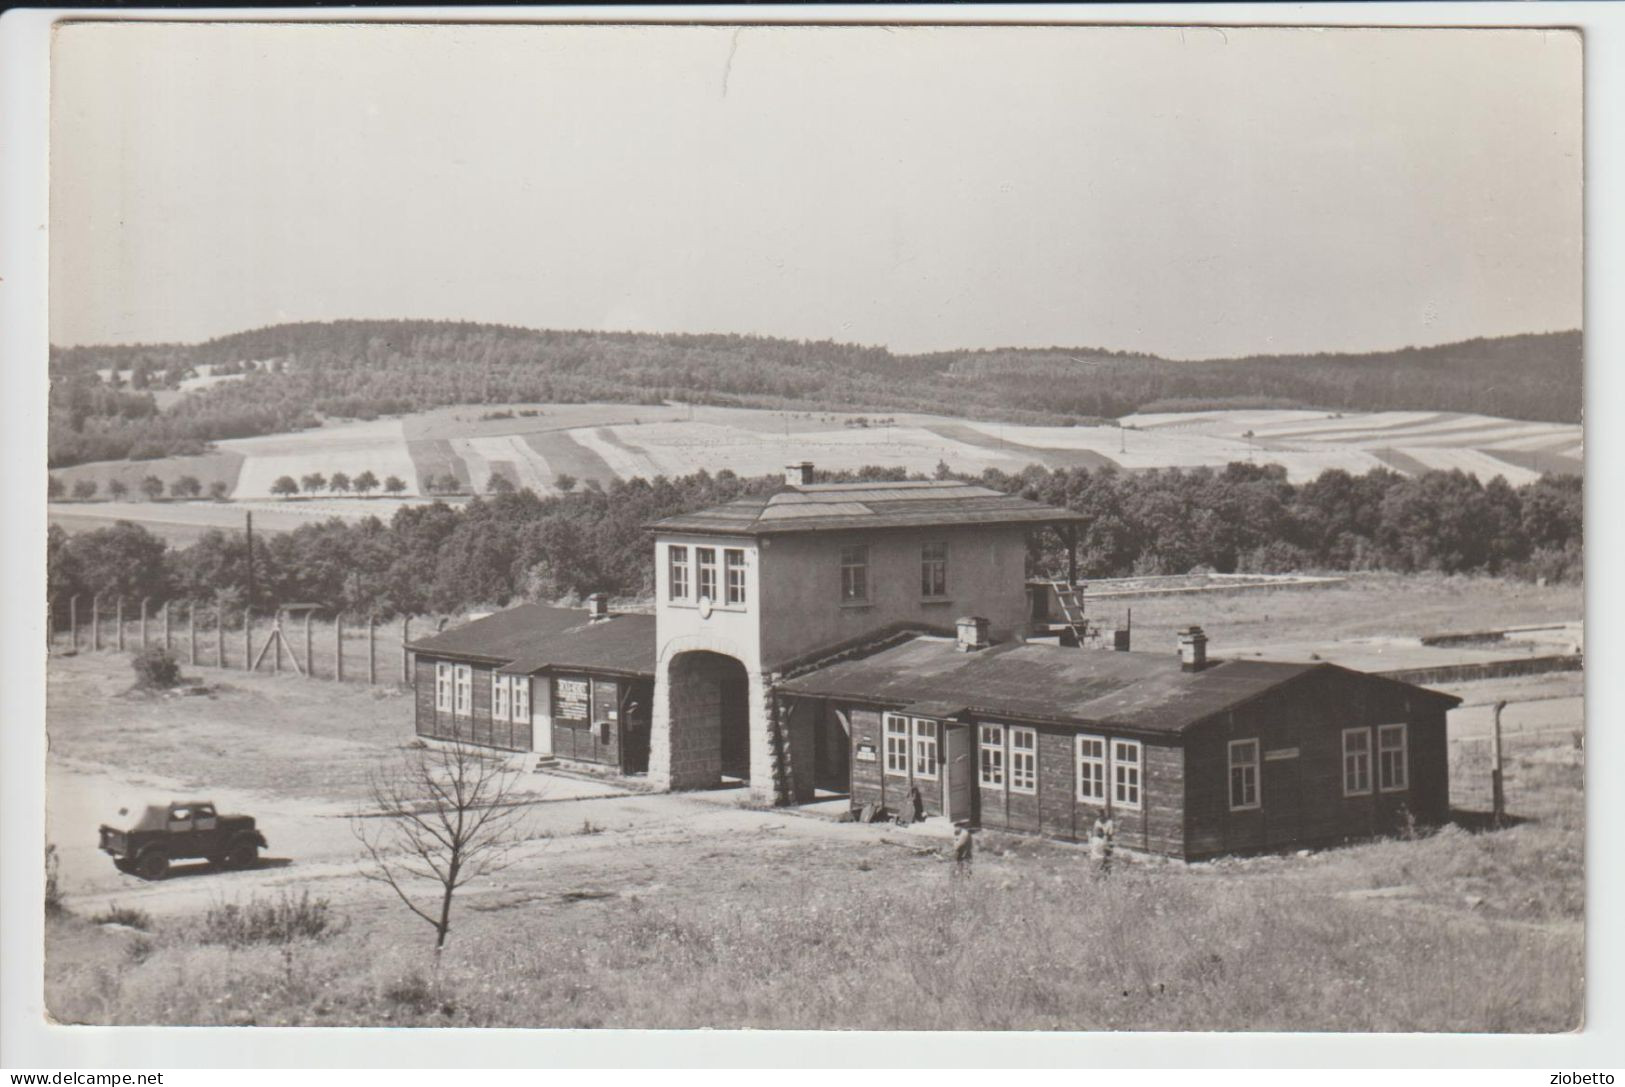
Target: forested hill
[{"x": 297, "y": 372}]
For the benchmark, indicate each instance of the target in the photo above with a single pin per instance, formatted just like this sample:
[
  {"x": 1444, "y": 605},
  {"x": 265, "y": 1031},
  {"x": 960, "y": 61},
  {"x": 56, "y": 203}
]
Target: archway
[{"x": 710, "y": 719}]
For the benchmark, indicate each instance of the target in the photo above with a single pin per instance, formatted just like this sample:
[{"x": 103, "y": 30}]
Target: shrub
[
  {"x": 155, "y": 668},
  {"x": 127, "y": 916},
  {"x": 278, "y": 921}
]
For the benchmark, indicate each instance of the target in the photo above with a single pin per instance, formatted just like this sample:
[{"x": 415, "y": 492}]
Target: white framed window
[
  {"x": 1243, "y": 775},
  {"x": 934, "y": 569},
  {"x": 463, "y": 690},
  {"x": 677, "y": 571},
  {"x": 925, "y": 748},
  {"x": 1092, "y": 769},
  {"x": 733, "y": 562},
  {"x": 1393, "y": 773},
  {"x": 499, "y": 696},
  {"x": 854, "y": 574},
  {"x": 1126, "y": 774},
  {"x": 442, "y": 686},
  {"x": 1356, "y": 761},
  {"x": 992, "y": 761},
  {"x": 896, "y": 745},
  {"x": 706, "y": 559},
  {"x": 1023, "y": 760},
  {"x": 521, "y": 698}
]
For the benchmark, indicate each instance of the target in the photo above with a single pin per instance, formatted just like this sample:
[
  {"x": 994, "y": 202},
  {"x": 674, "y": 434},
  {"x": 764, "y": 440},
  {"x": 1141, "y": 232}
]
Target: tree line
[
  {"x": 365, "y": 369},
  {"x": 512, "y": 546}
]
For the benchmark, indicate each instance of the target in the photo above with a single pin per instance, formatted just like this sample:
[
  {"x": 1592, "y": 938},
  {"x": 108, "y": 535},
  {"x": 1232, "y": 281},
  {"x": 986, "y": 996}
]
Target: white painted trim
[
  {"x": 1003, "y": 753},
  {"x": 1010, "y": 734},
  {"x": 915, "y": 739},
  {"x": 1343, "y": 761},
  {"x": 1102, "y": 760},
  {"x": 1138, "y": 766},
  {"x": 1404, "y": 757},
  {"x": 886, "y": 738}
]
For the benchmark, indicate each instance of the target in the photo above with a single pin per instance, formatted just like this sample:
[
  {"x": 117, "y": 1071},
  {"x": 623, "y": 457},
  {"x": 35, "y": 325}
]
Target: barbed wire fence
[
  {"x": 1541, "y": 743},
  {"x": 306, "y": 640}
]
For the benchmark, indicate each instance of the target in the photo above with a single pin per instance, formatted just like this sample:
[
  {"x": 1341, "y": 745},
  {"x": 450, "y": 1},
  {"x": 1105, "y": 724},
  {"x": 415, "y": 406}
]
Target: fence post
[
  {"x": 338, "y": 646},
  {"x": 50, "y": 623},
  {"x": 248, "y": 641},
  {"x": 166, "y": 626},
  {"x": 276, "y": 637},
  {"x": 372, "y": 656},
  {"x": 96, "y": 621},
  {"x": 144, "y": 600},
  {"x": 406, "y": 657},
  {"x": 310, "y": 672},
  {"x": 219, "y": 634},
  {"x": 73, "y": 622},
  {"x": 191, "y": 632},
  {"x": 1498, "y": 800},
  {"x": 118, "y": 613}
]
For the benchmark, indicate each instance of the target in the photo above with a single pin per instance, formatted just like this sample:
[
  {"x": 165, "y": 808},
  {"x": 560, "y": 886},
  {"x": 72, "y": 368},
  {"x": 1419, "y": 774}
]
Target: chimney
[
  {"x": 799, "y": 475},
  {"x": 597, "y": 607},
  {"x": 972, "y": 633},
  {"x": 1192, "y": 650}
]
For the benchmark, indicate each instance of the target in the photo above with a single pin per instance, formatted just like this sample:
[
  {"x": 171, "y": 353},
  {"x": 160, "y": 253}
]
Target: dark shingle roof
[
  {"x": 833, "y": 506},
  {"x": 1140, "y": 691},
  {"x": 533, "y": 636}
]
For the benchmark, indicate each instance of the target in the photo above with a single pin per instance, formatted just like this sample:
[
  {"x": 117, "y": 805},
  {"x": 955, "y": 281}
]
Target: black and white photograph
[{"x": 1051, "y": 528}]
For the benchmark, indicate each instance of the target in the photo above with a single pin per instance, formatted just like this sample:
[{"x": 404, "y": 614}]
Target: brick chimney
[
  {"x": 799, "y": 475},
  {"x": 972, "y": 633},
  {"x": 597, "y": 607},
  {"x": 1192, "y": 650}
]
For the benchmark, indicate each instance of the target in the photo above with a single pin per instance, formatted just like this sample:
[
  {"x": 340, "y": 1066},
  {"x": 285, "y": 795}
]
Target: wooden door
[
  {"x": 1282, "y": 796},
  {"x": 959, "y": 798}
]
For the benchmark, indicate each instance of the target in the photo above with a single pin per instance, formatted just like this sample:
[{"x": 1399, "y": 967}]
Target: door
[
  {"x": 541, "y": 715},
  {"x": 959, "y": 798},
  {"x": 1282, "y": 796}
]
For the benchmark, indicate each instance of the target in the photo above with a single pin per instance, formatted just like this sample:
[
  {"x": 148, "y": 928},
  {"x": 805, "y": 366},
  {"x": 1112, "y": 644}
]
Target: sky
[{"x": 1184, "y": 192}]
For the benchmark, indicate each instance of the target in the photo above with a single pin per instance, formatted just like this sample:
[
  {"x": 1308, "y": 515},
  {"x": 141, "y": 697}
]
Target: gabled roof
[
  {"x": 1145, "y": 692},
  {"x": 827, "y": 507},
  {"x": 534, "y": 636}
]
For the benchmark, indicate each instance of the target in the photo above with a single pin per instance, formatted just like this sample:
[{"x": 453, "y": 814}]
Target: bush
[
  {"x": 127, "y": 916},
  {"x": 279, "y": 921},
  {"x": 155, "y": 668}
]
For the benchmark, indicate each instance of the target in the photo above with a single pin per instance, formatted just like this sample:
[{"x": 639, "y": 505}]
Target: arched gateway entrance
[{"x": 708, "y": 702}]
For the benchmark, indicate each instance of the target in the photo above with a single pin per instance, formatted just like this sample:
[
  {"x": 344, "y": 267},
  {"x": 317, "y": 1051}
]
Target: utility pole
[
  {"x": 248, "y": 531},
  {"x": 1498, "y": 800}
]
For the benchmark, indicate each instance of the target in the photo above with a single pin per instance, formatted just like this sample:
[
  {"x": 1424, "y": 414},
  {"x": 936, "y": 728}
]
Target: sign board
[
  {"x": 866, "y": 752},
  {"x": 571, "y": 700},
  {"x": 606, "y": 700},
  {"x": 1281, "y": 753}
]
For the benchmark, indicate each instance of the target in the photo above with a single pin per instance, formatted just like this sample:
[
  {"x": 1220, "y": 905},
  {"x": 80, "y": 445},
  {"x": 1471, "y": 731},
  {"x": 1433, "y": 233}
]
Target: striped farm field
[{"x": 534, "y": 445}]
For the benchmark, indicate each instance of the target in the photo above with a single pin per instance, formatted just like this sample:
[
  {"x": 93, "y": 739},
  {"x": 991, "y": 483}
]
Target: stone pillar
[{"x": 766, "y": 759}]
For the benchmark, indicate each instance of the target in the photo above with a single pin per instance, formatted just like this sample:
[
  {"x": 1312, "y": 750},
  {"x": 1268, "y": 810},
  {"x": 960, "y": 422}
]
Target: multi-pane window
[
  {"x": 854, "y": 573},
  {"x": 1023, "y": 760},
  {"x": 463, "y": 693},
  {"x": 1243, "y": 774},
  {"x": 1092, "y": 769},
  {"x": 733, "y": 561},
  {"x": 442, "y": 686},
  {"x": 934, "y": 569},
  {"x": 677, "y": 557},
  {"x": 992, "y": 745},
  {"x": 1356, "y": 761},
  {"x": 925, "y": 749},
  {"x": 520, "y": 704},
  {"x": 1392, "y": 773},
  {"x": 499, "y": 697},
  {"x": 706, "y": 559},
  {"x": 896, "y": 745},
  {"x": 1126, "y": 773}
]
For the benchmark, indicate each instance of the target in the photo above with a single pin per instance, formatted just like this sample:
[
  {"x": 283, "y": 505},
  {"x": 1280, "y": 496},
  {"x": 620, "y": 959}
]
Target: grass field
[
  {"x": 608, "y": 441},
  {"x": 687, "y": 910}
]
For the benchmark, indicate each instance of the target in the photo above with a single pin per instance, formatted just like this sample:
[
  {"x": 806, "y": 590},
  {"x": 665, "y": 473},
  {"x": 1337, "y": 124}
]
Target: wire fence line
[
  {"x": 296, "y": 639},
  {"x": 1536, "y": 755}
]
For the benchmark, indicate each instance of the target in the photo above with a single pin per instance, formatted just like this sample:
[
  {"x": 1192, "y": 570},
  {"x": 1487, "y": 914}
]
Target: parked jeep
[{"x": 182, "y": 830}]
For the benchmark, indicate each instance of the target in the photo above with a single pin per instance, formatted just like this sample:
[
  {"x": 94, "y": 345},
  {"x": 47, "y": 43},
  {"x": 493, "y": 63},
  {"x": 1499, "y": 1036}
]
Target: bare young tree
[{"x": 444, "y": 817}]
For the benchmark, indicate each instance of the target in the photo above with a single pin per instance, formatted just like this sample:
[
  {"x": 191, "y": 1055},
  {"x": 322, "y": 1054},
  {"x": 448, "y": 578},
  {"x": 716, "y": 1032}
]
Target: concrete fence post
[
  {"x": 166, "y": 627},
  {"x": 191, "y": 632},
  {"x": 50, "y": 622},
  {"x": 372, "y": 656},
  {"x": 310, "y": 672},
  {"x": 219, "y": 635},
  {"x": 144, "y": 600},
  {"x": 96, "y": 621},
  {"x": 406, "y": 655},
  {"x": 118, "y": 617},
  {"x": 248, "y": 640},
  {"x": 276, "y": 638},
  {"x": 73, "y": 622},
  {"x": 338, "y": 647}
]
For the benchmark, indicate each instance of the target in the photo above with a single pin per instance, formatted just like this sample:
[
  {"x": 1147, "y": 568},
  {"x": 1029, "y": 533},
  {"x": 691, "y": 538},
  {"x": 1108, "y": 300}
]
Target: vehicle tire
[
  {"x": 153, "y": 864},
  {"x": 123, "y": 865},
  {"x": 243, "y": 854}
]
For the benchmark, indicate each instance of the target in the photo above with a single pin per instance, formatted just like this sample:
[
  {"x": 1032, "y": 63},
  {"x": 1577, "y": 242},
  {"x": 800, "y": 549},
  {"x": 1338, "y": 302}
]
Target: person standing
[
  {"x": 964, "y": 847},
  {"x": 1101, "y": 837}
]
